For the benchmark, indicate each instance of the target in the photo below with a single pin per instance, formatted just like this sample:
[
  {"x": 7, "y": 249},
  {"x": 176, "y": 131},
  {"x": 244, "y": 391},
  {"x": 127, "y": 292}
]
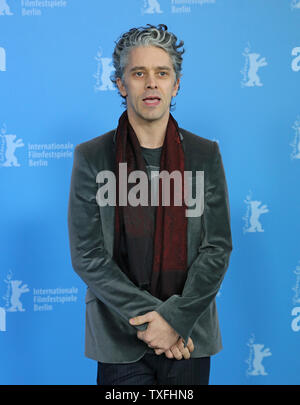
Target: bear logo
[
  {"x": 107, "y": 69},
  {"x": 296, "y": 141},
  {"x": 17, "y": 289},
  {"x": 2, "y": 60},
  {"x": 151, "y": 7},
  {"x": 295, "y": 4},
  {"x": 4, "y": 8},
  {"x": 2, "y": 320},
  {"x": 256, "y": 211},
  {"x": 254, "y": 65},
  {"x": 259, "y": 354},
  {"x": 104, "y": 71},
  {"x": 11, "y": 146}
]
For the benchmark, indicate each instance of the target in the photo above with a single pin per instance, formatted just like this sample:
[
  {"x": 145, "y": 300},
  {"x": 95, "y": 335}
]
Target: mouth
[{"x": 151, "y": 101}]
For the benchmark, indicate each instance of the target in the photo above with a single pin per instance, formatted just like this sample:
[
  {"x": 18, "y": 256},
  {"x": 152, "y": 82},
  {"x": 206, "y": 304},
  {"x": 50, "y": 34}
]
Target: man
[{"x": 152, "y": 271}]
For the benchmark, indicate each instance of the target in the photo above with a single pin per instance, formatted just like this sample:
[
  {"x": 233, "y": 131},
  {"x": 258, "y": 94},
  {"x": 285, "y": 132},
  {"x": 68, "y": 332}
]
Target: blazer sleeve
[
  {"x": 89, "y": 257},
  {"x": 207, "y": 271}
]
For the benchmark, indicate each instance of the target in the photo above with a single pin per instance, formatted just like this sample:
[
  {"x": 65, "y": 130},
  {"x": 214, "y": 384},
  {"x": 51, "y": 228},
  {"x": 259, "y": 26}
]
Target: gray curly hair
[{"x": 146, "y": 36}]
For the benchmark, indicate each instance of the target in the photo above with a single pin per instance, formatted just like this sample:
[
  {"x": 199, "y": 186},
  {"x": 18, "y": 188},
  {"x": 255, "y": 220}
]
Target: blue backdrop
[{"x": 240, "y": 87}]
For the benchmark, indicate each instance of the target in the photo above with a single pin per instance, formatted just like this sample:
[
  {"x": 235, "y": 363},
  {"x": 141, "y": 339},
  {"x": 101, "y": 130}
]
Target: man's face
[{"x": 149, "y": 83}]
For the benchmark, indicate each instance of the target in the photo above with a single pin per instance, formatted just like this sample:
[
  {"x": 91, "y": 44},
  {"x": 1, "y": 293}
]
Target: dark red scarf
[{"x": 136, "y": 233}]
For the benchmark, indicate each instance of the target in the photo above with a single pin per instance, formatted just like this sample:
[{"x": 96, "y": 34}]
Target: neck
[{"x": 151, "y": 134}]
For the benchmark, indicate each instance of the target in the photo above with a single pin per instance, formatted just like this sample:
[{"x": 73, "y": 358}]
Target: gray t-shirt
[{"x": 152, "y": 158}]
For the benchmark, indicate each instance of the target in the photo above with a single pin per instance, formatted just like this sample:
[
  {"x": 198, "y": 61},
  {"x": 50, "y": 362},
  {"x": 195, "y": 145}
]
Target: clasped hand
[{"x": 161, "y": 337}]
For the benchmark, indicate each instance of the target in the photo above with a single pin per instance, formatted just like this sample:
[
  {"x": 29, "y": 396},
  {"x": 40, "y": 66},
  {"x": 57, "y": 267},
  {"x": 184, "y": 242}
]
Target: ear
[
  {"x": 121, "y": 87},
  {"x": 176, "y": 86}
]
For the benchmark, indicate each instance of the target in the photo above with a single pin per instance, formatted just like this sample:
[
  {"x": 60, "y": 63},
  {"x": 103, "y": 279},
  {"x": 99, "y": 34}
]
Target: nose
[{"x": 151, "y": 82}]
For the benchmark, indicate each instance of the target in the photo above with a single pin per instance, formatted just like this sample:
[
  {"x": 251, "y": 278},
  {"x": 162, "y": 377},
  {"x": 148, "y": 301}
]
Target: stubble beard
[{"x": 149, "y": 117}]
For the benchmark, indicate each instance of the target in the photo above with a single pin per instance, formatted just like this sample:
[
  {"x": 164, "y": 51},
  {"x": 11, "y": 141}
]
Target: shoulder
[
  {"x": 198, "y": 144},
  {"x": 99, "y": 144}
]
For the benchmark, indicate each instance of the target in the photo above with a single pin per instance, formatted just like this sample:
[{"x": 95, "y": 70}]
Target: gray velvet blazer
[{"x": 111, "y": 298}]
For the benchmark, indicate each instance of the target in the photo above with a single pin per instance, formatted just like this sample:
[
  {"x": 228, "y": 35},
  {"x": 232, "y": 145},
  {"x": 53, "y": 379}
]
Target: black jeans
[{"x": 154, "y": 369}]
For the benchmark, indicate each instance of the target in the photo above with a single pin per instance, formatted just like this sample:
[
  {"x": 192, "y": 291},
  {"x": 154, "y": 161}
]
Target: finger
[
  {"x": 176, "y": 352},
  {"x": 139, "y": 320},
  {"x": 186, "y": 354},
  {"x": 158, "y": 351},
  {"x": 190, "y": 345},
  {"x": 184, "y": 350},
  {"x": 169, "y": 354}
]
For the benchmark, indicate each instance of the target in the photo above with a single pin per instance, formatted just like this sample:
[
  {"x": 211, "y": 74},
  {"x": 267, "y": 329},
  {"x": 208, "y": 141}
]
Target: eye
[
  {"x": 139, "y": 74},
  {"x": 163, "y": 73}
]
